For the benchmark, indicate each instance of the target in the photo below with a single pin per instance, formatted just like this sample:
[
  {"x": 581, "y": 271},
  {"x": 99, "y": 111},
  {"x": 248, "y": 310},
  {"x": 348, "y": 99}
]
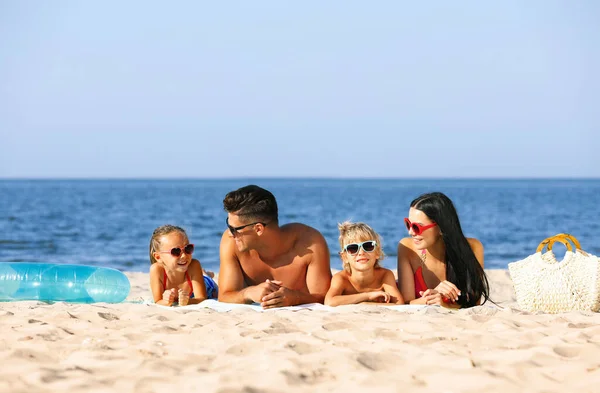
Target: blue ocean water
[{"x": 109, "y": 222}]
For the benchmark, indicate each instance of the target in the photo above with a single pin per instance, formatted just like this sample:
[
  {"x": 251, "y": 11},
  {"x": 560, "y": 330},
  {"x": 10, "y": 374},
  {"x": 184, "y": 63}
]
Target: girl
[
  {"x": 437, "y": 264},
  {"x": 362, "y": 279},
  {"x": 174, "y": 275}
]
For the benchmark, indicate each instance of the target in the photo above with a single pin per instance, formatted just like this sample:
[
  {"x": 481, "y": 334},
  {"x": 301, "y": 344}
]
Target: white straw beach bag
[{"x": 544, "y": 284}]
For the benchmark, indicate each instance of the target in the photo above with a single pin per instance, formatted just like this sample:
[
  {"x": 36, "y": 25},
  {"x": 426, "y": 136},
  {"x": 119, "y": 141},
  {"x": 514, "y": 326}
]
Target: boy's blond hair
[{"x": 351, "y": 232}]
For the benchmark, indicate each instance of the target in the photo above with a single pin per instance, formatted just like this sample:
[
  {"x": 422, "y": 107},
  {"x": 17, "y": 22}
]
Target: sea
[{"x": 109, "y": 222}]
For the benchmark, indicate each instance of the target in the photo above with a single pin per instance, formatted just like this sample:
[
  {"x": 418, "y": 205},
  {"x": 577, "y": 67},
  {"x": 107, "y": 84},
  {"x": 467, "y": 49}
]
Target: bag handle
[
  {"x": 563, "y": 238},
  {"x": 572, "y": 239}
]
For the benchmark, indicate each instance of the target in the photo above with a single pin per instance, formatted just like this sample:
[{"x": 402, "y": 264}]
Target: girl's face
[
  {"x": 168, "y": 242},
  {"x": 426, "y": 238},
  {"x": 361, "y": 261}
]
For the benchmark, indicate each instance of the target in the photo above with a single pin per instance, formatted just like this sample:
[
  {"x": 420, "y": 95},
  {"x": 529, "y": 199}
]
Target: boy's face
[{"x": 365, "y": 258}]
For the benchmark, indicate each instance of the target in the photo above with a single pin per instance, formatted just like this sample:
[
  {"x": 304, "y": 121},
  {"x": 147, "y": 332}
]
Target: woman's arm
[
  {"x": 477, "y": 248},
  {"x": 406, "y": 280}
]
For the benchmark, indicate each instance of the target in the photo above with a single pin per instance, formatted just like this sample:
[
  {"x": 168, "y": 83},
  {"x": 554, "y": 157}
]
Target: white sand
[{"x": 132, "y": 347}]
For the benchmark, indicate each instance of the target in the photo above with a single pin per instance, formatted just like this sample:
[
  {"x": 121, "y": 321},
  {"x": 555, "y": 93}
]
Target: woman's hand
[
  {"x": 448, "y": 290},
  {"x": 184, "y": 297},
  {"x": 434, "y": 298}
]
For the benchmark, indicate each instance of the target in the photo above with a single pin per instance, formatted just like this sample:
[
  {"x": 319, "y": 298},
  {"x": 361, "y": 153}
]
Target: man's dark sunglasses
[{"x": 235, "y": 230}]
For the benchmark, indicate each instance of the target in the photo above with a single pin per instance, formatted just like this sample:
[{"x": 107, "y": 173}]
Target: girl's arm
[
  {"x": 156, "y": 286},
  {"x": 197, "y": 277},
  {"x": 334, "y": 296},
  {"x": 389, "y": 286}
]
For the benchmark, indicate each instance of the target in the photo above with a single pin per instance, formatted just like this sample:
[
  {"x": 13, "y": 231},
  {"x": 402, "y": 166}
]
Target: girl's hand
[
  {"x": 184, "y": 297},
  {"x": 448, "y": 290},
  {"x": 169, "y": 296},
  {"x": 379, "y": 296}
]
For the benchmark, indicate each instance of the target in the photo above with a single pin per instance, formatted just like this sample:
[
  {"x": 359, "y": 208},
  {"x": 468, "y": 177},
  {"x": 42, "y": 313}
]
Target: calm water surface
[{"x": 109, "y": 222}]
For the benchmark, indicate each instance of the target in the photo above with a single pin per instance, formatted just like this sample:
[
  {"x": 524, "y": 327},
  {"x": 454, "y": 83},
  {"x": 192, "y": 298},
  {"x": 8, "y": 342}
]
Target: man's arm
[
  {"x": 318, "y": 277},
  {"x": 232, "y": 288},
  {"x": 231, "y": 279}
]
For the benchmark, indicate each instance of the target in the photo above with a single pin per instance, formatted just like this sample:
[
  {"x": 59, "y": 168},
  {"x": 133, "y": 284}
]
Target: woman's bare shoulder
[
  {"x": 477, "y": 248},
  {"x": 475, "y": 244},
  {"x": 405, "y": 244}
]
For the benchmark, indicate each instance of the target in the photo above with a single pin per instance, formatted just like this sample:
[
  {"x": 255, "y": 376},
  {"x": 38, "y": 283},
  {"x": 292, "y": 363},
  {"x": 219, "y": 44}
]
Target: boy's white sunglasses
[{"x": 353, "y": 248}]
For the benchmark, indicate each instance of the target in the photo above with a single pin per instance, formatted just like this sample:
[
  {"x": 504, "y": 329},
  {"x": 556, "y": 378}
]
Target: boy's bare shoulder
[
  {"x": 382, "y": 272},
  {"x": 342, "y": 274}
]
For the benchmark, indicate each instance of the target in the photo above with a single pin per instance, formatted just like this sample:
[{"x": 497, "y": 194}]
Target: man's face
[{"x": 243, "y": 232}]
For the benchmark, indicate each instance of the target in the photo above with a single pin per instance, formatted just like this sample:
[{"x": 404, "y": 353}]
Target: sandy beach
[{"x": 139, "y": 347}]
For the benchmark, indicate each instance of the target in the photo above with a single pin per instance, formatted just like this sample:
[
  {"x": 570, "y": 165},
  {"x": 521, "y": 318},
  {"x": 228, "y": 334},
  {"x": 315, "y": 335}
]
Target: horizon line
[{"x": 233, "y": 178}]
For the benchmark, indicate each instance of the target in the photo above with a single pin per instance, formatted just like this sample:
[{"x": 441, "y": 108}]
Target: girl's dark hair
[
  {"x": 462, "y": 267},
  {"x": 253, "y": 203}
]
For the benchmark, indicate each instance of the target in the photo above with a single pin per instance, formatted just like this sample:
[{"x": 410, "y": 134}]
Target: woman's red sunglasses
[{"x": 417, "y": 228}]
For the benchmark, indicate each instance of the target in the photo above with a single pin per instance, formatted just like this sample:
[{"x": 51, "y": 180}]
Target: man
[{"x": 262, "y": 262}]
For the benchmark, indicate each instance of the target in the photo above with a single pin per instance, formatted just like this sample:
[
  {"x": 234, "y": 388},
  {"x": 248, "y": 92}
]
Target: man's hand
[
  {"x": 281, "y": 297},
  {"x": 258, "y": 292}
]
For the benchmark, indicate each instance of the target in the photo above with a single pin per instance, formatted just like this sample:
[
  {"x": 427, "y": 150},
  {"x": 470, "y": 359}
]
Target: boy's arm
[
  {"x": 335, "y": 296},
  {"x": 389, "y": 286}
]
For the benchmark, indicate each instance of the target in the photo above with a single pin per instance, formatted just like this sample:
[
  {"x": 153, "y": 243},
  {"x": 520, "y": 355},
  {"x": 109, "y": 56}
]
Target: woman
[{"x": 437, "y": 264}]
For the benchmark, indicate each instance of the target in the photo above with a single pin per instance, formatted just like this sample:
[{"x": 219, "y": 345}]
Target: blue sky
[{"x": 303, "y": 89}]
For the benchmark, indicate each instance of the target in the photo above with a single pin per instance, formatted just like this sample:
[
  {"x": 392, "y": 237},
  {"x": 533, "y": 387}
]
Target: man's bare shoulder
[
  {"x": 303, "y": 235},
  {"x": 227, "y": 246}
]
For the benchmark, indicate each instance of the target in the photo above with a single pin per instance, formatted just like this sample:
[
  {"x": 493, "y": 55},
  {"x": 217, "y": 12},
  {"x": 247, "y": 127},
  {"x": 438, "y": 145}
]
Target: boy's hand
[{"x": 379, "y": 296}]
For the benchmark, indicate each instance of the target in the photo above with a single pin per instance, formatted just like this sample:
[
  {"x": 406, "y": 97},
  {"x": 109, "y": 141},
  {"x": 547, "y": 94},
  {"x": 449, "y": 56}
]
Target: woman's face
[{"x": 426, "y": 238}]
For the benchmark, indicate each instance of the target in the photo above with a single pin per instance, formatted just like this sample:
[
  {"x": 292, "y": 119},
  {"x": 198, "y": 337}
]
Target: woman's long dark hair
[{"x": 462, "y": 267}]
